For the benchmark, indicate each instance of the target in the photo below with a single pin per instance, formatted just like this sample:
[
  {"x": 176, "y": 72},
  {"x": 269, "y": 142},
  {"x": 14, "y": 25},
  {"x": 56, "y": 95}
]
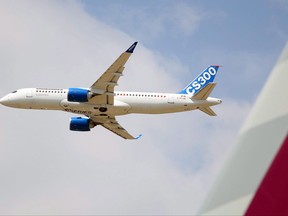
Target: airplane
[
  {"x": 253, "y": 179},
  {"x": 100, "y": 104}
]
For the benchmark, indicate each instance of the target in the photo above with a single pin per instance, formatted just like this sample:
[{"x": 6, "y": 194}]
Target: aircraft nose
[{"x": 5, "y": 100}]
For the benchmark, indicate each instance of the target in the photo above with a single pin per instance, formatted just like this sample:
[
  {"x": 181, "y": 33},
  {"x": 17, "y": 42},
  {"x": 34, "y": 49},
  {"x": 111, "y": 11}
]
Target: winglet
[
  {"x": 131, "y": 48},
  {"x": 138, "y": 137}
]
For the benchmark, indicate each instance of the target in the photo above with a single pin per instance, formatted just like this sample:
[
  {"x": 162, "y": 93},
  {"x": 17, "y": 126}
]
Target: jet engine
[
  {"x": 81, "y": 124},
  {"x": 78, "y": 95}
]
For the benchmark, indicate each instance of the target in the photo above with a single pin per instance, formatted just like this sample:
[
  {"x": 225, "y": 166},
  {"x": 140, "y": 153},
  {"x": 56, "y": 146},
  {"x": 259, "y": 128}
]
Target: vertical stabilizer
[
  {"x": 258, "y": 147},
  {"x": 202, "y": 80}
]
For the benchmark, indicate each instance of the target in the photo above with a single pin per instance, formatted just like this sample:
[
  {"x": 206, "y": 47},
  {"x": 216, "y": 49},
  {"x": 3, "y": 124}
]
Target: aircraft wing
[
  {"x": 103, "y": 88},
  {"x": 110, "y": 123}
]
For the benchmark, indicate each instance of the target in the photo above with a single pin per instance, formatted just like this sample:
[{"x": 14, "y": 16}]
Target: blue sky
[
  {"x": 46, "y": 169},
  {"x": 190, "y": 30}
]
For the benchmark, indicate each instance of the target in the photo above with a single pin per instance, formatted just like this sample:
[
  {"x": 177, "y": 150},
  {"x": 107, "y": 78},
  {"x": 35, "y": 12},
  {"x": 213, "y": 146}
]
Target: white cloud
[
  {"x": 46, "y": 169},
  {"x": 186, "y": 18}
]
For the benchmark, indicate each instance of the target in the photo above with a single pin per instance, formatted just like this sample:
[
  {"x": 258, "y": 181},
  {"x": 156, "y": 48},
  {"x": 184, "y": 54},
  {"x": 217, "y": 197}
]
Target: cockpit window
[{"x": 14, "y": 91}]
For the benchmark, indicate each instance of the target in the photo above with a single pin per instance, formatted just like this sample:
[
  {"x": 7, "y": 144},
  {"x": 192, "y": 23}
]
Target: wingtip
[
  {"x": 132, "y": 47},
  {"x": 138, "y": 137}
]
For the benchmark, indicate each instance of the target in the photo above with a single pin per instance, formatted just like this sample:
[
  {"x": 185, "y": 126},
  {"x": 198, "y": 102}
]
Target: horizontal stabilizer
[
  {"x": 204, "y": 93},
  {"x": 208, "y": 111}
]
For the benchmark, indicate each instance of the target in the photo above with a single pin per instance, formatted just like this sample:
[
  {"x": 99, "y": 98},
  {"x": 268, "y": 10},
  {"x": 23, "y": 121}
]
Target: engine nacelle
[
  {"x": 81, "y": 124},
  {"x": 78, "y": 95}
]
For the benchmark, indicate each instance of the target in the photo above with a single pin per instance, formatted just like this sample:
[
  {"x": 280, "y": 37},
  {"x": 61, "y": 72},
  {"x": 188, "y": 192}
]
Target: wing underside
[
  {"x": 103, "y": 94},
  {"x": 103, "y": 88},
  {"x": 110, "y": 123}
]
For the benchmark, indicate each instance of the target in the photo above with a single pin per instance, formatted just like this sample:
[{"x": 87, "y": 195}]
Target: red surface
[{"x": 271, "y": 198}]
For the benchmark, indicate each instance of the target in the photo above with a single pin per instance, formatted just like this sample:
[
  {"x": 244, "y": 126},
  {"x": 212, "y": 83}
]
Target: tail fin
[
  {"x": 202, "y": 80},
  {"x": 253, "y": 180}
]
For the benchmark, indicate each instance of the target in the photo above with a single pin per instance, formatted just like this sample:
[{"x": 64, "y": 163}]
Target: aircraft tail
[
  {"x": 201, "y": 81},
  {"x": 253, "y": 180},
  {"x": 208, "y": 111},
  {"x": 203, "y": 94}
]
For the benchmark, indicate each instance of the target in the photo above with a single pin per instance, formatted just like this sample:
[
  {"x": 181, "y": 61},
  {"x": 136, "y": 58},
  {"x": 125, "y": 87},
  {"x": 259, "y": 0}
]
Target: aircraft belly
[{"x": 119, "y": 108}]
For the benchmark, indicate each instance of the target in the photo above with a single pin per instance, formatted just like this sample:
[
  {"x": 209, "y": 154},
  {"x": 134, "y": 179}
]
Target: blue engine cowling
[
  {"x": 78, "y": 95},
  {"x": 80, "y": 124}
]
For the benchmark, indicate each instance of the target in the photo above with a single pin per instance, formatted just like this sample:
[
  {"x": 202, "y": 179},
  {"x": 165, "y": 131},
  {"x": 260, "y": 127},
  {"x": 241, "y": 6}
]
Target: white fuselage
[{"x": 124, "y": 102}]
